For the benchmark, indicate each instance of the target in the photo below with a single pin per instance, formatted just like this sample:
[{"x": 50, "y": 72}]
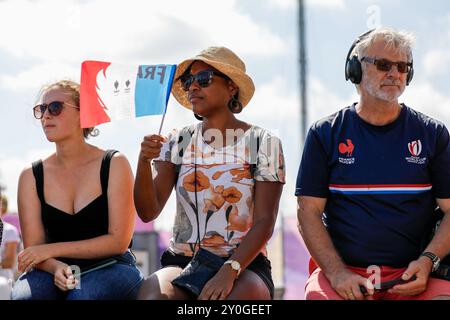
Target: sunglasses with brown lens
[
  {"x": 54, "y": 108},
  {"x": 385, "y": 65},
  {"x": 203, "y": 78}
]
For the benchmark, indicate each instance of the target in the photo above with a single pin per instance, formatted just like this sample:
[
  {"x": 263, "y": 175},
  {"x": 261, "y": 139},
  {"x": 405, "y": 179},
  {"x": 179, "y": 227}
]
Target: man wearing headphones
[{"x": 370, "y": 178}]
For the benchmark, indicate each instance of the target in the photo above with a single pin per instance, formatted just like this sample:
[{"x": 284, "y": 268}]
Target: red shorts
[{"x": 319, "y": 288}]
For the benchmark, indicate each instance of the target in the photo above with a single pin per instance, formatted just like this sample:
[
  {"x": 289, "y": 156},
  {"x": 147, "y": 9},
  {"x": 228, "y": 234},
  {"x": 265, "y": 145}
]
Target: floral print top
[{"x": 225, "y": 186}]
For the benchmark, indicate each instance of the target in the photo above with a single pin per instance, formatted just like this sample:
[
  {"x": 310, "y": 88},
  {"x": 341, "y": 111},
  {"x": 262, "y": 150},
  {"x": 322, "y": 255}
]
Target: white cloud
[
  {"x": 437, "y": 62},
  {"x": 39, "y": 75},
  {"x": 272, "y": 104},
  {"x": 60, "y": 35},
  {"x": 326, "y": 4},
  {"x": 283, "y": 4},
  {"x": 423, "y": 97},
  {"x": 69, "y": 30},
  {"x": 10, "y": 169},
  {"x": 323, "y": 101}
]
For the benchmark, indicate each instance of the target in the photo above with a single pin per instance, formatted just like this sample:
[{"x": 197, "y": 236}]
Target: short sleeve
[
  {"x": 270, "y": 161},
  {"x": 167, "y": 147},
  {"x": 313, "y": 172},
  {"x": 440, "y": 166}
]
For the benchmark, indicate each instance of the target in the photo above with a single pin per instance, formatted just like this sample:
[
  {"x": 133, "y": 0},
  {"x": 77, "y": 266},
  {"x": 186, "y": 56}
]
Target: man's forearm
[
  {"x": 440, "y": 244},
  {"x": 319, "y": 244}
]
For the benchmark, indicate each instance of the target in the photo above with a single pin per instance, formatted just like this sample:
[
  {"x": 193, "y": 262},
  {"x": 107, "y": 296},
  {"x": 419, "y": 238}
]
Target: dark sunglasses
[
  {"x": 54, "y": 108},
  {"x": 203, "y": 78},
  {"x": 386, "y": 65}
]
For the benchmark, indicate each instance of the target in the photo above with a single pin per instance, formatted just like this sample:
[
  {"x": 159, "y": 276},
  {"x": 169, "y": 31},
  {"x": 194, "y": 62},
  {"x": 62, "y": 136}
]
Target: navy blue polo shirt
[{"x": 380, "y": 183}]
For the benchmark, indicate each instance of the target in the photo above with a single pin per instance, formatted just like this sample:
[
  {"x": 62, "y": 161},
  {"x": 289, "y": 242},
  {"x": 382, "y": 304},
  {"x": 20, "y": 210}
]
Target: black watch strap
[{"x": 434, "y": 259}]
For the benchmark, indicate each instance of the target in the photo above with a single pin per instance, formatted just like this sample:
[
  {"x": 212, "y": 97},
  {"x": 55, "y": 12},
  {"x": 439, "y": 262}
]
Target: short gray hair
[{"x": 400, "y": 40}]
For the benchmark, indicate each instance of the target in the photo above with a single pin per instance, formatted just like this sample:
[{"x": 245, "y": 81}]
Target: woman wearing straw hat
[{"x": 228, "y": 177}]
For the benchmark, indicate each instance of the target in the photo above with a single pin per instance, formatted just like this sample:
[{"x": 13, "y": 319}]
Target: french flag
[{"x": 111, "y": 91}]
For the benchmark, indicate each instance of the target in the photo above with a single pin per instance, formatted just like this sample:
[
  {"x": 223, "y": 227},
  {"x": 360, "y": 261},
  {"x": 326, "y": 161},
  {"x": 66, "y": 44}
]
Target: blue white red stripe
[{"x": 379, "y": 188}]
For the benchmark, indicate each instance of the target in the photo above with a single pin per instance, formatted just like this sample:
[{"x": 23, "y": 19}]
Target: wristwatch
[
  {"x": 235, "y": 265},
  {"x": 434, "y": 258}
]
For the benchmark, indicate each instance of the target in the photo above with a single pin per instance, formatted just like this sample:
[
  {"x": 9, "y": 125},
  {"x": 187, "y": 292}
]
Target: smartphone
[{"x": 384, "y": 286}]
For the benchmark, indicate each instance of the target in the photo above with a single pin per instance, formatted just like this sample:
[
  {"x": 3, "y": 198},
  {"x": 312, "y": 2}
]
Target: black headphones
[{"x": 353, "y": 70}]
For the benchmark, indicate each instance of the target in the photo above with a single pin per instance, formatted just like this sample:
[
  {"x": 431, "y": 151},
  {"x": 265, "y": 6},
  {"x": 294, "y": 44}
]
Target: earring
[
  {"x": 199, "y": 118},
  {"x": 235, "y": 105}
]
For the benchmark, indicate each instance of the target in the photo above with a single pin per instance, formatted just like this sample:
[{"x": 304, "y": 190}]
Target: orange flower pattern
[
  {"x": 232, "y": 194},
  {"x": 238, "y": 222},
  {"x": 213, "y": 199},
  {"x": 224, "y": 188},
  {"x": 202, "y": 182}
]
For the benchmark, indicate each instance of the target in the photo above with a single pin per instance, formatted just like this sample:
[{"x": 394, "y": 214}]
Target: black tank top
[{"x": 90, "y": 222}]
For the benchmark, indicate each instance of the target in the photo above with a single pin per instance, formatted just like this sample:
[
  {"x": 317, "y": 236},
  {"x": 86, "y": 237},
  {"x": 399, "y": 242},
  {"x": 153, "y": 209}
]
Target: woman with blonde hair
[{"x": 76, "y": 212}]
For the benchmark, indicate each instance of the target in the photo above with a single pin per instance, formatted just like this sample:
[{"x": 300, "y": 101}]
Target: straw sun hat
[{"x": 225, "y": 61}]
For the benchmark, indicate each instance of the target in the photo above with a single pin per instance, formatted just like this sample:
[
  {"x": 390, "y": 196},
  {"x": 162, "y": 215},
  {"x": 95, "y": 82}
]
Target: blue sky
[{"x": 43, "y": 41}]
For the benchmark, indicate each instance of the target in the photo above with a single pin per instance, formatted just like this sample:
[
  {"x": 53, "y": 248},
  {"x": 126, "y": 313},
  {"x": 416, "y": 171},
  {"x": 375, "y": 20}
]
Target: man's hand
[
  {"x": 421, "y": 268},
  {"x": 346, "y": 284}
]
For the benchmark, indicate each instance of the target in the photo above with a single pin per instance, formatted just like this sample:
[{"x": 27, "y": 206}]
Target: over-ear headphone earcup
[
  {"x": 353, "y": 70},
  {"x": 410, "y": 75}
]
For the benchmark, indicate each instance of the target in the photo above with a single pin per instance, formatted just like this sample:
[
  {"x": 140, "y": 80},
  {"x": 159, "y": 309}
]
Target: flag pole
[
  {"x": 172, "y": 74},
  {"x": 162, "y": 121}
]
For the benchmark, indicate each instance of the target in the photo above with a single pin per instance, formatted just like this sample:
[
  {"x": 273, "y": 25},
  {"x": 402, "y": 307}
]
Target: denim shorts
[
  {"x": 260, "y": 265},
  {"x": 119, "y": 281}
]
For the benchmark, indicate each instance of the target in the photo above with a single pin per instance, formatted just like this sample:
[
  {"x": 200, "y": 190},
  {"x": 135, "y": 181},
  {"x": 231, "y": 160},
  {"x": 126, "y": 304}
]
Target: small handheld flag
[{"x": 111, "y": 91}]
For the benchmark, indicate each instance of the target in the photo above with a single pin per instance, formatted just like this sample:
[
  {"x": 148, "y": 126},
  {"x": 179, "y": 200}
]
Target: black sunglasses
[
  {"x": 386, "y": 65},
  {"x": 203, "y": 78},
  {"x": 54, "y": 108}
]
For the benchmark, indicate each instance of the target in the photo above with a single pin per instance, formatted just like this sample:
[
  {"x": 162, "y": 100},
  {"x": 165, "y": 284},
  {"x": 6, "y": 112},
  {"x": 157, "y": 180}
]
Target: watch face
[
  {"x": 235, "y": 265},
  {"x": 435, "y": 265}
]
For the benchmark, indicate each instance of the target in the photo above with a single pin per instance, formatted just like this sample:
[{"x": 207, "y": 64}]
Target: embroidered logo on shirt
[
  {"x": 415, "y": 148},
  {"x": 346, "y": 148}
]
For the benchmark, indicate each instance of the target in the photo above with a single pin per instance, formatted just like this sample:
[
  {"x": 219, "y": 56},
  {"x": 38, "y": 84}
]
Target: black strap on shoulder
[
  {"x": 254, "y": 156},
  {"x": 104, "y": 171},
  {"x": 38, "y": 172},
  {"x": 184, "y": 138}
]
